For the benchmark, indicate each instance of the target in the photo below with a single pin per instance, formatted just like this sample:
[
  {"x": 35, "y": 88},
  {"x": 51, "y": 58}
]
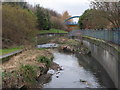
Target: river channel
[{"x": 79, "y": 71}]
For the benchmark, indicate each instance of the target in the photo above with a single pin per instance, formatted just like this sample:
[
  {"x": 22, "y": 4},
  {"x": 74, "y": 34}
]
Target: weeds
[
  {"x": 45, "y": 60},
  {"x": 28, "y": 72}
]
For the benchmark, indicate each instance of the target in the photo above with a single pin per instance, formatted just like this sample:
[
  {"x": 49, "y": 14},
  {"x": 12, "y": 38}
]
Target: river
[{"x": 78, "y": 72}]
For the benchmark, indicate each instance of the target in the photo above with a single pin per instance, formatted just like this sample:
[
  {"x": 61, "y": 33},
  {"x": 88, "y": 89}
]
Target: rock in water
[{"x": 44, "y": 78}]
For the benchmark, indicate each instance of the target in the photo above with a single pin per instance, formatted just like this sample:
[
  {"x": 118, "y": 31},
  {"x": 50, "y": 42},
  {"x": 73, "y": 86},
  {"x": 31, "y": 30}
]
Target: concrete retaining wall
[{"x": 107, "y": 56}]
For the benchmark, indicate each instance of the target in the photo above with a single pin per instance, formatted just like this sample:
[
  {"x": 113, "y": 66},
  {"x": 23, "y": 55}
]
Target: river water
[{"x": 78, "y": 72}]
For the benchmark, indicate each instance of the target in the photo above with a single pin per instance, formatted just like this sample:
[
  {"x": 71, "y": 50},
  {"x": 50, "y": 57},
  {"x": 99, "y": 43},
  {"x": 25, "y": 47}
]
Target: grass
[
  {"x": 45, "y": 60},
  {"x": 100, "y": 40},
  {"x": 29, "y": 72},
  {"x": 6, "y": 51},
  {"x": 52, "y": 31}
]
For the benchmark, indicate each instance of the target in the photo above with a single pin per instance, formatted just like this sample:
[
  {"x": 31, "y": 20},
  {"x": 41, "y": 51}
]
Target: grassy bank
[
  {"x": 6, "y": 51},
  {"x": 52, "y": 31},
  {"x": 98, "y": 41},
  {"x": 25, "y": 68}
]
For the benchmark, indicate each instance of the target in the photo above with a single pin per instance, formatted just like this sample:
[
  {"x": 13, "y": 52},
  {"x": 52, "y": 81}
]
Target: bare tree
[{"x": 108, "y": 10}]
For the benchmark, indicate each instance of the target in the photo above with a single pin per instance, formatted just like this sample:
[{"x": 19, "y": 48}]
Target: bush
[
  {"x": 57, "y": 23},
  {"x": 29, "y": 73},
  {"x": 45, "y": 60},
  {"x": 18, "y": 25},
  {"x": 43, "y": 18}
]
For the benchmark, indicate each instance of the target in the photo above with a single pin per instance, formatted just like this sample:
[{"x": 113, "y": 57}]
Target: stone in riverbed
[
  {"x": 57, "y": 76},
  {"x": 85, "y": 82},
  {"x": 55, "y": 66},
  {"x": 44, "y": 78}
]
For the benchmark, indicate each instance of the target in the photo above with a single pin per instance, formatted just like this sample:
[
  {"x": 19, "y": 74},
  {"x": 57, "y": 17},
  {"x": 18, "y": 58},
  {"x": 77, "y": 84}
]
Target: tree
[
  {"x": 56, "y": 20},
  {"x": 109, "y": 11},
  {"x": 92, "y": 20},
  {"x": 43, "y": 18},
  {"x": 66, "y": 15},
  {"x": 57, "y": 23},
  {"x": 20, "y": 3}
]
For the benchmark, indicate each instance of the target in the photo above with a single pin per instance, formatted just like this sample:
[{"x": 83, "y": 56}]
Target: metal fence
[{"x": 107, "y": 35}]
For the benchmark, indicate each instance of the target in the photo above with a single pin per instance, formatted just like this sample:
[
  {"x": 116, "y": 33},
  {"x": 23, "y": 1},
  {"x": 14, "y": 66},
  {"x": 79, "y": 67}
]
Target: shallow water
[
  {"x": 75, "y": 74},
  {"x": 49, "y": 45}
]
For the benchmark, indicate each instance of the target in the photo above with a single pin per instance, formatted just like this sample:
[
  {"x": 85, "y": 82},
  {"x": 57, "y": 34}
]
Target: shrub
[
  {"x": 29, "y": 72},
  {"x": 45, "y": 60},
  {"x": 43, "y": 18},
  {"x": 72, "y": 42},
  {"x": 57, "y": 23},
  {"x": 18, "y": 25}
]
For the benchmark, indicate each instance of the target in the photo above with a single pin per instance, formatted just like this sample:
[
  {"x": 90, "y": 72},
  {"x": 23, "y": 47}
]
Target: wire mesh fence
[{"x": 107, "y": 35}]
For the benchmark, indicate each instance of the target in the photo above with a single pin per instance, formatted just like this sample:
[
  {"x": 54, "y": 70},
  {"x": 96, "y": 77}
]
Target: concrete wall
[{"x": 107, "y": 56}]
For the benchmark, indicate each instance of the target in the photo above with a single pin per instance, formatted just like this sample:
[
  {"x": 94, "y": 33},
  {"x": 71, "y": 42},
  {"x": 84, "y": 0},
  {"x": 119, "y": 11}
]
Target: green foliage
[
  {"x": 52, "y": 31},
  {"x": 5, "y": 74},
  {"x": 19, "y": 25},
  {"x": 21, "y": 3},
  {"x": 45, "y": 60},
  {"x": 85, "y": 16},
  {"x": 5, "y": 51},
  {"x": 43, "y": 18},
  {"x": 72, "y": 42},
  {"x": 28, "y": 72},
  {"x": 91, "y": 19}
]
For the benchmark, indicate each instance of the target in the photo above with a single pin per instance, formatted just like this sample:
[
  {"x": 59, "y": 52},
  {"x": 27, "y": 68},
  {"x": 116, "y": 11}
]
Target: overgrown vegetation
[
  {"x": 29, "y": 73},
  {"x": 19, "y": 26},
  {"x": 92, "y": 20},
  {"x": 72, "y": 42},
  {"x": 48, "y": 19},
  {"x": 25, "y": 69},
  {"x": 22, "y": 21},
  {"x": 25, "y": 76},
  {"x": 43, "y": 18},
  {"x": 101, "y": 15},
  {"x": 45, "y": 60}
]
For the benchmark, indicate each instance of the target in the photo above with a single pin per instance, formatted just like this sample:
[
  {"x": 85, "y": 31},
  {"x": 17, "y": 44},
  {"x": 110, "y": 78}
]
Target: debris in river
[
  {"x": 57, "y": 76},
  {"x": 58, "y": 72},
  {"x": 85, "y": 82},
  {"x": 51, "y": 71}
]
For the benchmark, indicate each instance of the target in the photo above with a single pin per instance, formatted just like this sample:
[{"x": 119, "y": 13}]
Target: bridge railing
[
  {"x": 71, "y": 23},
  {"x": 107, "y": 35}
]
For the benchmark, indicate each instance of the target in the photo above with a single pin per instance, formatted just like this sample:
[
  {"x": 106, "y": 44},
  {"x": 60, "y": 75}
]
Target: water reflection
[
  {"x": 79, "y": 72},
  {"x": 90, "y": 64}
]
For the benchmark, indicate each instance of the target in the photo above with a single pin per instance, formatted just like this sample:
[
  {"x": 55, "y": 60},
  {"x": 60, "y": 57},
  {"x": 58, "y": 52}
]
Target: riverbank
[
  {"x": 29, "y": 68},
  {"x": 24, "y": 69},
  {"x": 52, "y": 31}
]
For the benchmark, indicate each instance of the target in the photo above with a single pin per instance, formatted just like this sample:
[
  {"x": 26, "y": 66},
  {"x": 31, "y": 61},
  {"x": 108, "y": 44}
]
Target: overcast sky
[{"x": 74, "y": 7}]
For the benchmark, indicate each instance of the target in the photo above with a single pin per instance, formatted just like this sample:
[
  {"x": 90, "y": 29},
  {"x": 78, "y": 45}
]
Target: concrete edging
[
  {"x": 7, "y": 56},
  {"x": 107, "y": 55}
]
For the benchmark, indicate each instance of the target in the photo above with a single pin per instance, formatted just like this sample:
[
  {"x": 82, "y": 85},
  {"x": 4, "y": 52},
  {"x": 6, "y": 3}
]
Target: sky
[{"x": 74, "y": 7}]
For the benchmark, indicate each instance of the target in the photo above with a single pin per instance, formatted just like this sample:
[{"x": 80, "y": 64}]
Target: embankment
[{"x": 107, "y": 55}]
